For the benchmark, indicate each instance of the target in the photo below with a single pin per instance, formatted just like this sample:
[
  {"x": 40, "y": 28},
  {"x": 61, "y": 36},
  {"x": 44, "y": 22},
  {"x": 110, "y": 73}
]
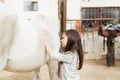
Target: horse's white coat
[{"x": 22, "y": 41}]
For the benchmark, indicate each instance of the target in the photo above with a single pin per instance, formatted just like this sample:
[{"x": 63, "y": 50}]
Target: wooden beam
[
  {"x": 62, "y": 14},
  {"x": 91, "y": 19}
]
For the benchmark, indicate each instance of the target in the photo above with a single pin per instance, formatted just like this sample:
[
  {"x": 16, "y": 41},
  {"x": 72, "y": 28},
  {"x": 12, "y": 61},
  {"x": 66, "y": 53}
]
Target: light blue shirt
[{"x": 68, "y": 69}]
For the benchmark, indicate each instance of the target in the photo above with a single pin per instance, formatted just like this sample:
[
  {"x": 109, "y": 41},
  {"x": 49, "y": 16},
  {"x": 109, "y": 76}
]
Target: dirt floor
[{"x": 92, "y": 70}]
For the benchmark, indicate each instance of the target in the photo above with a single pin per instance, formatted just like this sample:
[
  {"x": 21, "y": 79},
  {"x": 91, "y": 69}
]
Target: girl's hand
[{"x": 47, "y": 47}]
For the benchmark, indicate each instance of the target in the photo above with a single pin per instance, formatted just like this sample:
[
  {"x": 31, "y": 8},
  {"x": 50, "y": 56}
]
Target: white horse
[{"x": 22, "y": 43}]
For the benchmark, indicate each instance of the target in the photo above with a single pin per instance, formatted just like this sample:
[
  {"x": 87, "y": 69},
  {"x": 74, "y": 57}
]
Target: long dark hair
[{"x": 74, "y": 44}]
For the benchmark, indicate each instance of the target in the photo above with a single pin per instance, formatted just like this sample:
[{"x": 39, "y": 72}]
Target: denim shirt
[{"x": 68, "y": 69}]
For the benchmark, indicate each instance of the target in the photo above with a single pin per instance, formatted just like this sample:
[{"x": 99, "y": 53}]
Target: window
[
  {"x": 95, "y": 16},
  {"x": 103, "y": 12},
  {"x": 90, "y": 13},
  {"x": 31, "y": 6}
]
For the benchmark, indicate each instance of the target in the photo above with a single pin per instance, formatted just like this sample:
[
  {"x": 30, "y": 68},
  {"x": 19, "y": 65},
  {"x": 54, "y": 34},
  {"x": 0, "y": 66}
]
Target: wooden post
[
  {"x": 62, "y": 16},
  {"x": 62, "y": 13},
  {"x": 110, "y": 58}
]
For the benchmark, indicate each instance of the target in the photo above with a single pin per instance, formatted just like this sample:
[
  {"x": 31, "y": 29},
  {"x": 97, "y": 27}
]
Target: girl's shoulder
[{"x": 72, "y": 55}]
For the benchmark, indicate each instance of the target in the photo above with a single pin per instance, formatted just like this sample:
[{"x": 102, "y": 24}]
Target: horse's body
[{"x": 22, "y": 43}]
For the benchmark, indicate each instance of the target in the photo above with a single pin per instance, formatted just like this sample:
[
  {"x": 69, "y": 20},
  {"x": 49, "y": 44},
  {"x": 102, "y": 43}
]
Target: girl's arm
[
  {"x": 57, "y": 56},
  {"x": 47, "y": 47}
]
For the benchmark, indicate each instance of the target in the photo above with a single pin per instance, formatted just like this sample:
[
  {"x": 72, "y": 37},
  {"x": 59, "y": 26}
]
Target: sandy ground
[{"x": 92, "y": 70}]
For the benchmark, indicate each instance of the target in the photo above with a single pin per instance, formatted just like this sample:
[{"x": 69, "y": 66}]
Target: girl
[{"x": 72, "y": 56}]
